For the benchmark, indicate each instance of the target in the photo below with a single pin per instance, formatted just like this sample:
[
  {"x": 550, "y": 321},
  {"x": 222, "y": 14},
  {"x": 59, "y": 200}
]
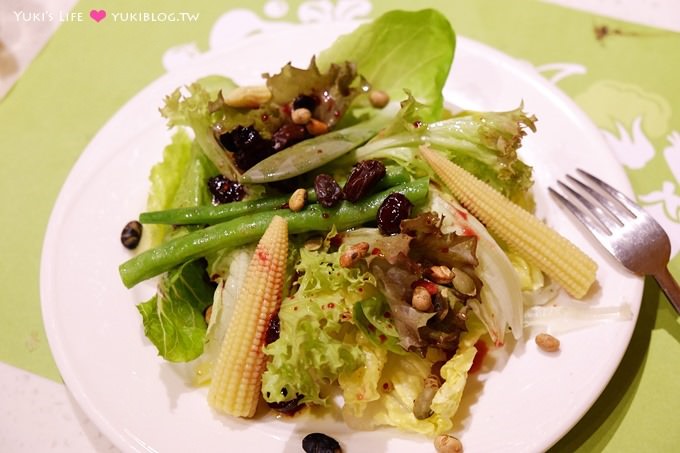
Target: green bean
[
  {"x": 249, "y": 228},
  {"x": 209, "y": 215}
]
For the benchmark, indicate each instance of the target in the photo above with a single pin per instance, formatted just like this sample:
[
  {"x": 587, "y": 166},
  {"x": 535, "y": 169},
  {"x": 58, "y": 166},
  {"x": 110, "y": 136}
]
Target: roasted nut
[
  {"x": 378, "y": 98},
  {"x": 297, "y": 201},
  {"x": 207, "y": 314},
  {"x": 421, "y": 299},
  {"x": 447, "y": 444},
  {"x": 547, "y": 342},
  {"x": 314, "y": 243},
  {"x": 248, "y": 97},
  {"x": 301, "y": 116},
  {"x": 353, "y": 254},
  {"x": 440, "y": 274},
  {"x": 316, "y": 127}
]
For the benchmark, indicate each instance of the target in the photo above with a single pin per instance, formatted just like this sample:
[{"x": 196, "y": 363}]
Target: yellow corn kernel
[
  {"x": 537, "y": 242},
  {"x": 237, "y": 377}
]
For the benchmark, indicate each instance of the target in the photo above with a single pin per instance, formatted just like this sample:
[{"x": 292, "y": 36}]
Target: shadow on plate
[{"x": 599, "y": 424}]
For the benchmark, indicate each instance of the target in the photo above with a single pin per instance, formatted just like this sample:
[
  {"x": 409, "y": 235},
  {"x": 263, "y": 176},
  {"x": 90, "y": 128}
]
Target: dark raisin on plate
[
  {"x": 320, "y": 443},
  {"x": 131, "y": 234}
]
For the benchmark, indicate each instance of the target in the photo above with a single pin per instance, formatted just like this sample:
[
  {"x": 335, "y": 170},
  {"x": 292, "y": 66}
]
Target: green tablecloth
[{"x": 624, "y": 76}]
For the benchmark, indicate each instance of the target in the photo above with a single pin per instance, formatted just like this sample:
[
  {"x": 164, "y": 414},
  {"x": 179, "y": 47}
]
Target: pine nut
[
  {"x": 547, "y": 342},
  {"x": 297, "y": 201},
  {"x": 378, "y": 98}
]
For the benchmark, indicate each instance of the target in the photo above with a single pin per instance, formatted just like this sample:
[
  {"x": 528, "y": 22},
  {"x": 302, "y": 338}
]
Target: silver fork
[{"x": 625, "y": 230}]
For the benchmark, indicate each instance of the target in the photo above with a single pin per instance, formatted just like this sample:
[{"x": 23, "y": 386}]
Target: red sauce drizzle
[
  {"x": 482, "y": 350},
  {"x": 262, "y": 256},
  {"x": 428, "y": 285}
]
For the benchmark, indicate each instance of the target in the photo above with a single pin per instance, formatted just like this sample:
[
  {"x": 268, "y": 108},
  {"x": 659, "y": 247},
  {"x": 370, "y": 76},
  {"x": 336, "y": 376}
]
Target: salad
[{"x": 341, "y": 231}]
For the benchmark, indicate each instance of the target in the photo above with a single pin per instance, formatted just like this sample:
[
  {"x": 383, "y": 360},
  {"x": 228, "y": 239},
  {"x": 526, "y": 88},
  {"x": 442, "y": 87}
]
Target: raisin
[
  {"x": 362, "y": 179},
  {"x": 305, "y": 102},
  {"x": 224, "y": 190},
  {"x": 288, "y": 407},
  {"x": 273, "y": 330},
  {"x": 320, "y": 443},
  {"x": 131, "y": 234},
  {"x": 328, "y": 191},
  {"x": 392, "y": 211},
  {"x": 288, "y": 135}
]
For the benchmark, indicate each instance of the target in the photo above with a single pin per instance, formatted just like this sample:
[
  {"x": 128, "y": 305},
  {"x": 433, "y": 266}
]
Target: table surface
[{"x": 45, "y": 65}]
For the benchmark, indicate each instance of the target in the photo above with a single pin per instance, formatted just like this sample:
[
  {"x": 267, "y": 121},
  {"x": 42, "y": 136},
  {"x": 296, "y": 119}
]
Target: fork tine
[
  {"x": 629, "y": 204},
  {"x": 595, "y": 228},
  {"x": 607, "y": 219},
  {"x": 612, "y": 207}
]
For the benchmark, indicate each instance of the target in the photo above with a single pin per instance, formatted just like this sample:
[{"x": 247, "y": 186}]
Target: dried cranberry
[
  {"x": 305, "y": 102},
  {"x": 224, "y": 190},
  {"x": 362, "y": 179},
  {"x": 248, "y": 146},
  {"x": 288, "y": 135},
  {"x": 273, "y": 330},
  {"x": 392, "y": 211},
  {"x": 328, "y": 191}
]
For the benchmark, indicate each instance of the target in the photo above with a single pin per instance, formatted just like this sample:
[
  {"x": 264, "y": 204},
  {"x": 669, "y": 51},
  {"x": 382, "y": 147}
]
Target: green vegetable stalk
[
  {"x": 209, "y": 215},
  {"x": 249, "y": 228}
]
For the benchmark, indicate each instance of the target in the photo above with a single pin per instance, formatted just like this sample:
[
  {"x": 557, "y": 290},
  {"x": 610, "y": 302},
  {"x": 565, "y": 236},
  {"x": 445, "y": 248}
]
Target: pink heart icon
[{"x": 98, "y": 16}]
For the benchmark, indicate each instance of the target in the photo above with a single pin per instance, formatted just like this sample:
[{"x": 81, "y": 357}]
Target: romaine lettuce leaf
[
  {"x": 178, "y": 181},
  {"x": 400, "y": 383},
  {"x": 401, "y": 50},
  {"x": 173, "y": 318},
  {"x": 165, "y": 178}
]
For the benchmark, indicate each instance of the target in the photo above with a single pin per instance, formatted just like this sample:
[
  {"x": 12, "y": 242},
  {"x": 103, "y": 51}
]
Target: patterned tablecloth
[{"x": 623, "y": 75}]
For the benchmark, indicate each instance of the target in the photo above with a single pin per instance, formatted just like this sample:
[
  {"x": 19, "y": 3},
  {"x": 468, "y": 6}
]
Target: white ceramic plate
[{"x": 522, "y": 400}]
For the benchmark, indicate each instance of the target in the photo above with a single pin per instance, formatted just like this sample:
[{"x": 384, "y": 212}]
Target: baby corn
[
  {"x": 538, "y": 243},
  {"x": 236, "y": 380}
]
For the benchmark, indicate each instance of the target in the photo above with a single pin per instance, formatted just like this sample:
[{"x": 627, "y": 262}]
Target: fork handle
[{"x": 669, "y": 286}]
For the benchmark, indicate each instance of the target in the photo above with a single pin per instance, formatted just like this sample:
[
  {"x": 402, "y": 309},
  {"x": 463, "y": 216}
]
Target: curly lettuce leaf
[
  {"x": 173, "y": 318},
  {"x": 372, "y": 316},
  {"x": 193, "y": 108},
  {"x": 312, "y": 349},
  {"x": 392, "y": 62},
  {"x": 483, "y": 143}
]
